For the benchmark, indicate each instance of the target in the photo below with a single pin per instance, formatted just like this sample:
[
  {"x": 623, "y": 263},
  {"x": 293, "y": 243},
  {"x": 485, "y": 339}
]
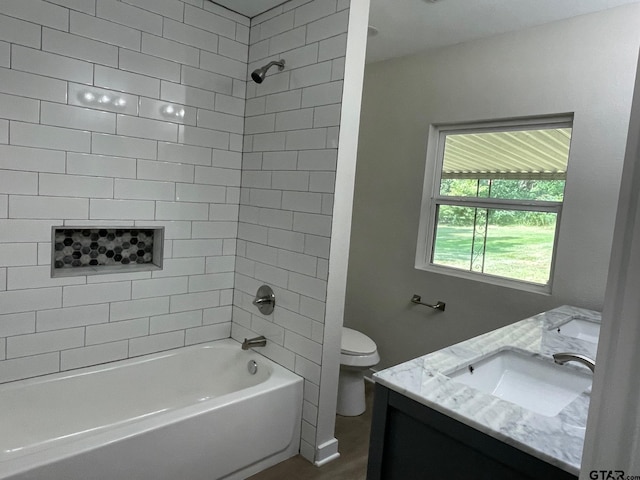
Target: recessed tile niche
[{"x": 99, "y": 250}]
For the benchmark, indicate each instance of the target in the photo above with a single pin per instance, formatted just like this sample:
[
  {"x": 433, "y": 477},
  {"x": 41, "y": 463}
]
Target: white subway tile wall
[
  {"x": 128, "y": 113},
  {"x": 287, "y": 185},
  {"x": 138, "y": 113}
]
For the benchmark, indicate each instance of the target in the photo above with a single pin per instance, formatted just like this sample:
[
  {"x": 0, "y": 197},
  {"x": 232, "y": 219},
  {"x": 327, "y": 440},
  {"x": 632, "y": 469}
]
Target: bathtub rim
[{"x": 113, "y": 364}]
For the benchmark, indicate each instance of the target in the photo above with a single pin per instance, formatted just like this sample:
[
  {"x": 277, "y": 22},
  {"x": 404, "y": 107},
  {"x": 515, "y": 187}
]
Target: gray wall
[{"x": 585, "y": 65}]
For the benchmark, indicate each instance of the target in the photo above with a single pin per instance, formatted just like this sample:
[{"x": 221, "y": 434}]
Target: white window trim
[{"x": 430, "y": 199}]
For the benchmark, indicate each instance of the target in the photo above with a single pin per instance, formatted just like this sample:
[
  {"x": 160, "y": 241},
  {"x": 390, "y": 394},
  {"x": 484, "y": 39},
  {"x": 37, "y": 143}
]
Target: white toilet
[{"x": 358, "y": 353}]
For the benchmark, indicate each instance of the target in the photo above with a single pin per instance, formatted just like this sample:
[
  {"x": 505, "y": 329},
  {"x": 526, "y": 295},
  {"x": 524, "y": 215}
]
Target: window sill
[{"x": 485, "y": 278}]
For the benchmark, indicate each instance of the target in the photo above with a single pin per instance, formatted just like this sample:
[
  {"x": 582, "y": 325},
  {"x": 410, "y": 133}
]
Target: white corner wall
[
  {"x": 612, "y": 437},
  {"x": 586, "y": 66},
  {"x": 66, "y": 161},
  {"x": 341, "y": 229},
  {"x": 287, "y": 197}
]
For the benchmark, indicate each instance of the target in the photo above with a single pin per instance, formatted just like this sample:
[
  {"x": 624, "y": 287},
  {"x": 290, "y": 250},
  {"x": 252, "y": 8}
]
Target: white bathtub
[{"x": 189, "y": 414}]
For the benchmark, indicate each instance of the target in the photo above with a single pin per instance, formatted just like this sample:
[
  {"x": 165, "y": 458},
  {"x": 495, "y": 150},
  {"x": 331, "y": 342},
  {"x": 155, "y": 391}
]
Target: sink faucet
[
  {"x": 254, "y": 342},
  {"x": 564, "y": 357}
]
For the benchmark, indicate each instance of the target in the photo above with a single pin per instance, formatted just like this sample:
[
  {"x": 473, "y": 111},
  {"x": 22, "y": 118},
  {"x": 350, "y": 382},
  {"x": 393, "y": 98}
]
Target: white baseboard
[{"x": 327, "y": 452}]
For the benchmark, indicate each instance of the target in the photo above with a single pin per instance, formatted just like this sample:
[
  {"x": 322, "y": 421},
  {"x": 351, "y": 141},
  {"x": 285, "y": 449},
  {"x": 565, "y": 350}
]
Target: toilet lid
[{"x": 356, "y": 343}]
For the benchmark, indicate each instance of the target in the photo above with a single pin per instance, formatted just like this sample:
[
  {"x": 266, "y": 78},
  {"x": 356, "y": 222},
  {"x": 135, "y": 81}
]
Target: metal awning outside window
[{"x": 540, "y": 154}]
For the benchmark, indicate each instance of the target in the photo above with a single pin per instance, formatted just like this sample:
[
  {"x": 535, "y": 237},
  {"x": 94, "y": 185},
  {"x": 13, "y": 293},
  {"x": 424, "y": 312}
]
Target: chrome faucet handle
[
  {"x": 260, "y": 301},
  {"x": 265, "y": 300}
]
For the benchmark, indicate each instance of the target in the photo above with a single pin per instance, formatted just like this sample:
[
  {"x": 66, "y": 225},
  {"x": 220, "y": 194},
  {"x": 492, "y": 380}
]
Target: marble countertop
[{"x": 557, "y": 440}]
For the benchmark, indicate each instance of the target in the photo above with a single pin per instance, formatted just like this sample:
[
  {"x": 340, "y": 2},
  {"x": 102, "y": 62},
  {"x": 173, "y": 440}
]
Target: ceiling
[
  {"x": 410, "y": 26},
  {"x": 249, "y": 8}
]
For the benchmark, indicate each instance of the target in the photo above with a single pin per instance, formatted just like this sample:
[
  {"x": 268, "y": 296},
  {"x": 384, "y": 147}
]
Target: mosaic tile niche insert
[{"x": 88, "y": 250}]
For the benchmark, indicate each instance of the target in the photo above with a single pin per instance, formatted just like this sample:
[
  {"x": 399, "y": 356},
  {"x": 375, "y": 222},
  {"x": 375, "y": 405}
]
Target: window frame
[{"x": 431, "y": 199}]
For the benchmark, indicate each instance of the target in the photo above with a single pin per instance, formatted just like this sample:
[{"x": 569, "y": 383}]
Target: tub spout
[
  {"x": 254, "y": 342},
  {"x": 562, "y": 358}
]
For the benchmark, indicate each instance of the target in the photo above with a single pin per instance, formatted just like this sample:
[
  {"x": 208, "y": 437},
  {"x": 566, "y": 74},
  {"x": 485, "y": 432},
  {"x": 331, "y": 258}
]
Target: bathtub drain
[{"x": 252, "y": 366}]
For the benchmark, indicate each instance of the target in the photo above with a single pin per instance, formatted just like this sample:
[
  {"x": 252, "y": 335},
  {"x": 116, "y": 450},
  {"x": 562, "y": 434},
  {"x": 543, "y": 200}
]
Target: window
[{"x": 492, "y": 201}]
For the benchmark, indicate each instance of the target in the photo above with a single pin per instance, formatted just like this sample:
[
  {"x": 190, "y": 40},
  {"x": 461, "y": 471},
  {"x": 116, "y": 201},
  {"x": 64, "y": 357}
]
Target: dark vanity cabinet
[{"x": 410, "y": 441}]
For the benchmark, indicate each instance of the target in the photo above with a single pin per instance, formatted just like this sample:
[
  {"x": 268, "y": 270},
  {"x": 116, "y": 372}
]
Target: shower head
[{"x": 259, "y": 73}]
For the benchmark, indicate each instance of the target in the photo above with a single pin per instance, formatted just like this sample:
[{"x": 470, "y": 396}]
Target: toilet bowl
[{"x": 358, "y": 354}]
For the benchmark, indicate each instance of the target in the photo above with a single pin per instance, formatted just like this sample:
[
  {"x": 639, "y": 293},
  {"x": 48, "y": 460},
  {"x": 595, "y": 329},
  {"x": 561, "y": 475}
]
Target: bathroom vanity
[{"x": 495, "y": 406}]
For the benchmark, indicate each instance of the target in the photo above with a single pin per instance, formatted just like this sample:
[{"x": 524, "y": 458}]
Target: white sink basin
[
  {"x": 581, "y": 329},
  {"x": 540, "y": 386}
]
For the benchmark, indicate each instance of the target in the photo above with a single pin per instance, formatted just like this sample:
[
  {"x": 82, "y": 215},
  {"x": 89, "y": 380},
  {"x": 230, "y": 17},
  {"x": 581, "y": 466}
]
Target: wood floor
[{"x": 353, "y": 443}]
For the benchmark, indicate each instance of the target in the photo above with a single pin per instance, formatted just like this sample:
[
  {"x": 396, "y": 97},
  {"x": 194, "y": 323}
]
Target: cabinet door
[
  {"x": 417, "y": 451},
  {"x": 410, "y": 441}
]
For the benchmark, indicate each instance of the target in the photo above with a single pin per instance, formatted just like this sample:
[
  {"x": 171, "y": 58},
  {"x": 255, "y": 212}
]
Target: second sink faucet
[
  {"x": 564, "y": 357},
  {"x": 260, "y": 341}
]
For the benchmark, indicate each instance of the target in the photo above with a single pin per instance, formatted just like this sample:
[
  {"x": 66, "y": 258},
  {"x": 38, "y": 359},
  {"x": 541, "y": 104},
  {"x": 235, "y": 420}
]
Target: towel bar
[{"x": 417, "y": 299}]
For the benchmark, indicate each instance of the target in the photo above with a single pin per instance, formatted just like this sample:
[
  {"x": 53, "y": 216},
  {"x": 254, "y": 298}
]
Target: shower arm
[{"x": 279, "y": 63}]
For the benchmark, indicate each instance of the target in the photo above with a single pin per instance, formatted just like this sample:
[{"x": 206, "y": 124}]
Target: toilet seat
[
  {"x": 357, "y": 350},
  {"x": 356, "y": 343}
]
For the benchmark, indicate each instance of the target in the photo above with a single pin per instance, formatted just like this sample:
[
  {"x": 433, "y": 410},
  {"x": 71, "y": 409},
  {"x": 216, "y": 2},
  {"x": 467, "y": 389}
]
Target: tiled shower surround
[
  {"x": 136, "y": 113},
  {"x": 127, "y": 114},
  {"x": 288, "y": 176}
]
